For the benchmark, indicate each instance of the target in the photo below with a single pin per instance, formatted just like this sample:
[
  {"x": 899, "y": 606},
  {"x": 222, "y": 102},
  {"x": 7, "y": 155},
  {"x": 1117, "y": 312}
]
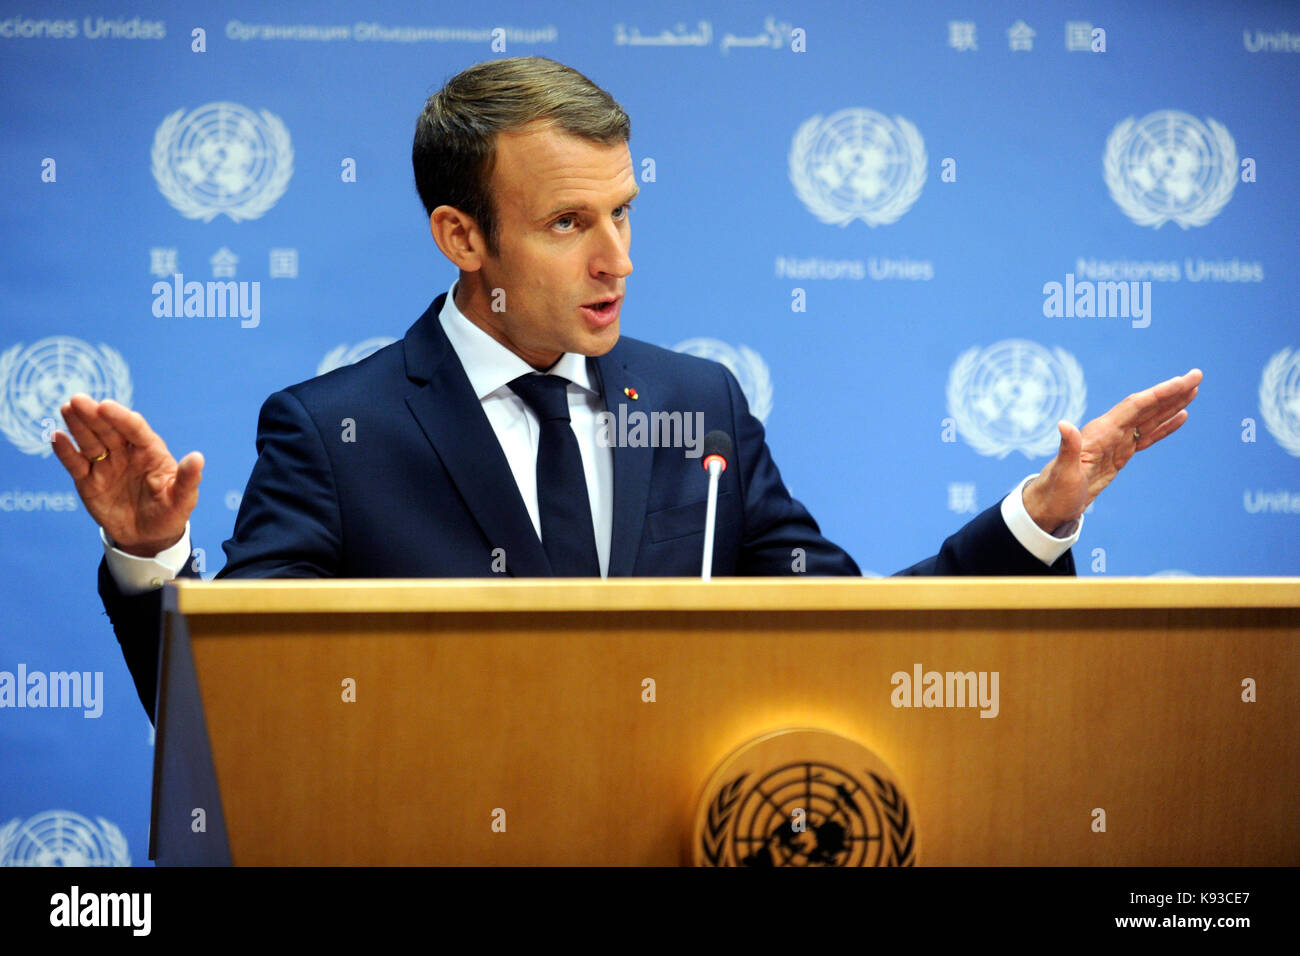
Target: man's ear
[{"x": 458, "y": 236}]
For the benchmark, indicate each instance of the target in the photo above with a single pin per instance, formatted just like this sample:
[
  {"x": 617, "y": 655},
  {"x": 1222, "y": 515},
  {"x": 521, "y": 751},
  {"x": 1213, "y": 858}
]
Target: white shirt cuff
[
  {"x": 136, "y": 575},
  {"x": 1045, "y": 547}
]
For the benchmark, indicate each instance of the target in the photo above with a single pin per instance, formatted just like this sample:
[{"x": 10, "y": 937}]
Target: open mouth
[{"x": 602, "y": 313}]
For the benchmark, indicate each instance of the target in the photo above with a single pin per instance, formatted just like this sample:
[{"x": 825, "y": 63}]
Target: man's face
[{"x": 562, "y": 206}]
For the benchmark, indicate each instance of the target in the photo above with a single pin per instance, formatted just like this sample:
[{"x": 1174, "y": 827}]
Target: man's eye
[{"x": 626, "y": 209}]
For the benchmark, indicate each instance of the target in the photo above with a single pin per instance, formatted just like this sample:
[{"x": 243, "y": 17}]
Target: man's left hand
[{"x": 1089, "y": 459}]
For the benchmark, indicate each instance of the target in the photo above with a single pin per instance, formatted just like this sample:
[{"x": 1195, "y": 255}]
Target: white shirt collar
[{"x": 489, "y": 365}]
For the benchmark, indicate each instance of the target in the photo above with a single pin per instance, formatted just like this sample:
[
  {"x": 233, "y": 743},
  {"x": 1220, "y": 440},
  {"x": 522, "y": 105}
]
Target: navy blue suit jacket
[{"x": 424, "y": 489}]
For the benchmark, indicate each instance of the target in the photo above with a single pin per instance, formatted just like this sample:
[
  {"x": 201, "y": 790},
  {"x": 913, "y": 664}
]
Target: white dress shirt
[{"x": 490, "y": 367}]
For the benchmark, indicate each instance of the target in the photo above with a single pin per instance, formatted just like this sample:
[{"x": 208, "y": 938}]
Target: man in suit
[{"x": 475, "y": 447}]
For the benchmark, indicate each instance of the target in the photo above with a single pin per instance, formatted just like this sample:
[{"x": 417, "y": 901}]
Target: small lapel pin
[{"x": 630, "y": 392}]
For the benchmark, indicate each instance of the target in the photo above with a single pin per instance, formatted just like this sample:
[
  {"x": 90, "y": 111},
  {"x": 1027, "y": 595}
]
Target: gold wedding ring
[
  {"x": 101, "y": 456},
  {"x": 1137, "y": 435}
]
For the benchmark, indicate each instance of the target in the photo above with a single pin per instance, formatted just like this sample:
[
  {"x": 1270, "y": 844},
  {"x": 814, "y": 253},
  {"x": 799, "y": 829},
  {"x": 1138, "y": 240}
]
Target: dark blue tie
[{"x": 567, "y": 533}]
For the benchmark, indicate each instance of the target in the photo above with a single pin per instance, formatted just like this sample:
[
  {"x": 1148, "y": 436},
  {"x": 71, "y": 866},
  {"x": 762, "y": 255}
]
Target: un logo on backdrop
[
  {"x": 743, "y": 362},
  {"x": 1009, "y": 397},
  {"x": 62, "y": 838},
  {"x": 222, "y": 158},
  {"x": 857, "y": 164},
  {"x": 1279, "y": 399},
  {"x": 36, "y": 381},
  {"x": 1170, "y": 166},
  {"x": 342, "y": 355}
]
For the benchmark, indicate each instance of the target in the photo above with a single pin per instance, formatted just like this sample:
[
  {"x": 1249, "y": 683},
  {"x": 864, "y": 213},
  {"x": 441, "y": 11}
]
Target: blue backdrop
[{"x": 863, "y": 212}]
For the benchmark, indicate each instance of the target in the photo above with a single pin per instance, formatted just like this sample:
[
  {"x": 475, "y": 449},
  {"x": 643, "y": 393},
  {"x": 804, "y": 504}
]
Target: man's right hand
[{"x": 127, "y": 479}]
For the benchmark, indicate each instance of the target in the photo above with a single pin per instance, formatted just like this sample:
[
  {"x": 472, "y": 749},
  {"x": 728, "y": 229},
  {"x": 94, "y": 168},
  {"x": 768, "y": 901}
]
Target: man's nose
[{"x": 611, "y": 257}]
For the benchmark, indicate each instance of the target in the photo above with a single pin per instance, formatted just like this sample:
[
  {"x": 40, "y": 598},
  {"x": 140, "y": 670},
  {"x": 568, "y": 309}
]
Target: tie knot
[{"x": 546, "y": 395}]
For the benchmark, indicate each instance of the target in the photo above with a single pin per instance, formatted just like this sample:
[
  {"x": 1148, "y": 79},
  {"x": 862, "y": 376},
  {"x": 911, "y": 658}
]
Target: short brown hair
[{"x": 455, "y": 136}]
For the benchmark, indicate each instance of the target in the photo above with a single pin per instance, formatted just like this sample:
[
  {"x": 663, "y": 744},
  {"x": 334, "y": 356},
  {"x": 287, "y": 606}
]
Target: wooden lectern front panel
[{"x": 558, "y": 736}]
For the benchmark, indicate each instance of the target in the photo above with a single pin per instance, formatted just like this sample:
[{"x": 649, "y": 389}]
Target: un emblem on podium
[{"x": 803, "y": 798}]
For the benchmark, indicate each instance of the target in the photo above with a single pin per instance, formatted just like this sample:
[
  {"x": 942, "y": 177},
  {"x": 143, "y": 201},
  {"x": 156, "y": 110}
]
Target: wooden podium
[{"x": 577, "y": 722}]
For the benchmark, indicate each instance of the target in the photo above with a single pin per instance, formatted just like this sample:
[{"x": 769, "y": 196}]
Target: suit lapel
[
  {"x": 452, "y": 419},
  {"x": 632, "y": 466}
]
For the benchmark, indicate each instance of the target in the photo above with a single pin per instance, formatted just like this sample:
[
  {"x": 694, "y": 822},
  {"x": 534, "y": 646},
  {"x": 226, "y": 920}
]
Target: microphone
[{"x": 717, "y": 450}]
